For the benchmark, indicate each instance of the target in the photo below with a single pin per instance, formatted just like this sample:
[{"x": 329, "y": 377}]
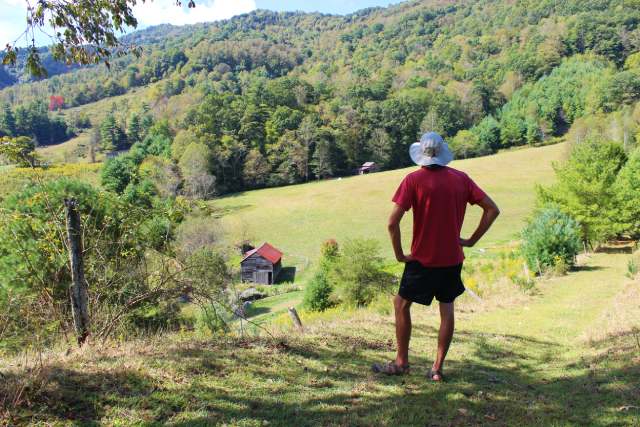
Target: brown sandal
[
  {"x": 432, "y": 374},
  {"x": 390, "y": 368}
]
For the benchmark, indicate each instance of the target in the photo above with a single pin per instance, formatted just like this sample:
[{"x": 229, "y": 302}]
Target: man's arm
[
  {"x": 489, "y": 215},
  {"x": 394, "y": 231}
]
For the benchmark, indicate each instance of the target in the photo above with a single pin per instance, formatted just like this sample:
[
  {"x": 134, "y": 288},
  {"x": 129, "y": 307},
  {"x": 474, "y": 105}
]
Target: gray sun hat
[{"x": 431, "y": 150}]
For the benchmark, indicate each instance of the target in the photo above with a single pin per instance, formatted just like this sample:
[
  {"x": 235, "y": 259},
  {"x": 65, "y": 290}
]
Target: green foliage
[
  {"x": 358, "y": 273},
  {"x": 34, "y": 260},
  {"x": 466, "y": 144},
  {"x": 7, "y": 121},
  {"x": 117, "y": 173},
  {"x": 85, "y": 32},
  {"x": 112, "y": 137},
  {"x": 286, "y": 107},
  {"x": 317, "y": 293},
  {"x": 546, "y": 107},
  {"x": 550, "y": 241},
  {"x": 627, "y": 196},
  {"x": 585, "y": 188},
  {"x": 34, "y": 121},
  {"x": 487, "y": 133},
  {"x": 20, "y": 150}
]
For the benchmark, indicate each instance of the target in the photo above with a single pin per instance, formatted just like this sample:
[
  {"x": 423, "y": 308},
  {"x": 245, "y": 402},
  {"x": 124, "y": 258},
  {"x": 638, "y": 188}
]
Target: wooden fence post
[
  {"x": 296, "y": 319},
  {"x": 78, "y": 289}
]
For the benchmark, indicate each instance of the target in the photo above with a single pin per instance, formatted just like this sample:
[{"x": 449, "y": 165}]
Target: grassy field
[
  {"x": 12, "y": 178},
  {"x": 68, "y": 152},
  {"x": 297, "y": 219},
  {"x": 567, "y": 356},
  {"x": 565, "y": 353}
]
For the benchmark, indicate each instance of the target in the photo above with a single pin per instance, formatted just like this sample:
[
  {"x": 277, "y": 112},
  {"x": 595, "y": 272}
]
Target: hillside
[
  {"x": 557, "y": 358},
  {"x": 297, "y": 219},
  {"x": 269, "y": 99}
]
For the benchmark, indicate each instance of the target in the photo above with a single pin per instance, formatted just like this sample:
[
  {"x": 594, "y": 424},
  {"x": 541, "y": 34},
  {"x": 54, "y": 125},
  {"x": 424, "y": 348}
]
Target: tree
[
  {"x": 163, "y": 173},
  {"x": 19, "y": 150},
  {"x": 133, "y": 130},
  {"x": 7, "y": 121},
  {"x": 322, "y": 160},
  {"x": 84, "y": 31},
  {"x": 256, "y": 169},
  {"x": 117, "y": 173},
  {"x": 195, "y": 167},
  {"x": 380, "y": 146},
  {"x": 465, "y": 144},
  {"x": 358, "y": 274},
  {"x": 488, "y": 133},
  {"x": 111, "y": 135},
  {"x": 585, "y": 188},
  {"x": 182, "y": 140},
  {"x": 627, "y": 196}
]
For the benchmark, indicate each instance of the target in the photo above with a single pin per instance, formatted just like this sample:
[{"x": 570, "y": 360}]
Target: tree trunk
[{"x": 78, "y": 289}]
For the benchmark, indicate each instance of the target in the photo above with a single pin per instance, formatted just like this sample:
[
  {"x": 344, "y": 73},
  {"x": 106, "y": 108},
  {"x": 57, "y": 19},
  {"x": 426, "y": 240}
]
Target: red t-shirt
[{"x": 439, "y": 200}]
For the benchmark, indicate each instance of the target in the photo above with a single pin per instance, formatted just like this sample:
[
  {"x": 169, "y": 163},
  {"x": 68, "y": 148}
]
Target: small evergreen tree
[
  {"x": 551, "y": 239},
  {"x": 318, "y": 292},
  {"x": 133, "y": 131},
  {"x": 7, "y": 121},
  {"x": 585, "y": 188},
  {"x": 627, "y": 196}
]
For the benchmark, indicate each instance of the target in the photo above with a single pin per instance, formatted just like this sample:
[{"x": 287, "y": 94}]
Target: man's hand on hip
[
  {"x": 405, "y": 258},
  {"x": 466, "y": 243}
]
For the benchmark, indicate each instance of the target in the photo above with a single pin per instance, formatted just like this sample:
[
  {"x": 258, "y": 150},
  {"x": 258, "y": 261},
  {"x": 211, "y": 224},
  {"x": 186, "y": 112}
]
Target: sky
[{"x": 13, "y": 12}]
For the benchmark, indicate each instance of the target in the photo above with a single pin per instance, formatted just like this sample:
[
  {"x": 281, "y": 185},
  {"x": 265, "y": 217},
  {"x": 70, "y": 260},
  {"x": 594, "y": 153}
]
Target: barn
[
  {"x": 367, "y": 167},
  {"x": 261, "y": 265}
]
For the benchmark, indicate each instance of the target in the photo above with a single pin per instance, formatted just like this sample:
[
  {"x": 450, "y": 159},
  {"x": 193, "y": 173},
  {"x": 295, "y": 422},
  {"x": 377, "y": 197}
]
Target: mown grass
[
  {"x": 297, "y": 219},
  {"x": 525, "y": 363}
]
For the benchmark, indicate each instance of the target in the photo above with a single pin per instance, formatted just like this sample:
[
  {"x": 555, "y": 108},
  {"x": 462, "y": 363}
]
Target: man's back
[{"x": 438, "y": 197}]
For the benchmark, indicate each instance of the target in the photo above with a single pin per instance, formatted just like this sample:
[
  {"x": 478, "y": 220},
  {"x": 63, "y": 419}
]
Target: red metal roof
[{"x": 267, "y": 252}]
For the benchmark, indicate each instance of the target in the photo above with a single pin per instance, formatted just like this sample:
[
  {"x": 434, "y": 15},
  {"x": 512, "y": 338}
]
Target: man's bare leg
[
  {"x": 403, "y": 329},
  {"x": 445, "y": 335}
]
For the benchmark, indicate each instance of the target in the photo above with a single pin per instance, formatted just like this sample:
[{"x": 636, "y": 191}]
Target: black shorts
[{"x": 420, "y": 284}]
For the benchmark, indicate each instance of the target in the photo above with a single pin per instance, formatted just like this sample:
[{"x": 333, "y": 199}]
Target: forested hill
[{"x": 275, "y": 98}]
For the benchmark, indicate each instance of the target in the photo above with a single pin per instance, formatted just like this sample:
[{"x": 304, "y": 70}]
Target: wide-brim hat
[{"x": 430, "y": 150}]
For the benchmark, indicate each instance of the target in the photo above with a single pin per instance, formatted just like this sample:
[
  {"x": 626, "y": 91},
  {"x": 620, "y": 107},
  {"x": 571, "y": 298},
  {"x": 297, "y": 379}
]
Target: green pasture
[{"x": 297, "y": 219}]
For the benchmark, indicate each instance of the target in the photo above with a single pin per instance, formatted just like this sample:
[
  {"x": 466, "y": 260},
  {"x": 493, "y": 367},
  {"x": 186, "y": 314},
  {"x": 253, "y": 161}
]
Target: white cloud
[{"x": 166, "y": 12}]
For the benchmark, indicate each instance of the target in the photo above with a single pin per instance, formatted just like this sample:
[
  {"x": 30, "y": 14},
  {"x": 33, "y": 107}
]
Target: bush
[
  {"x": 119, "y": 243},
  {"x": 317, "y": 293},
  {"x": 358, "y": 273},
  {"x": 551, "y": 241}
]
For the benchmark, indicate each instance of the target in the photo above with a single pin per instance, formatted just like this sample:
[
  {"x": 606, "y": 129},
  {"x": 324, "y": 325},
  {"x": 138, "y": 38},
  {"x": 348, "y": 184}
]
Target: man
[{"x": 438, "y": 196}]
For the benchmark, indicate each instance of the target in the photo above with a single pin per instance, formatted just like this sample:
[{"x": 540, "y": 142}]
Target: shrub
[
  {"x": 551, "y": 241},
  {"x": 317, "y": 293},
  {"x": 119, "y": 243},
  {"x": 358, "y": 273}
]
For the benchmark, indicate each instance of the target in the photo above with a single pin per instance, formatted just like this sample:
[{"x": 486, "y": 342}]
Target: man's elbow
[
  {"x": 495, "y": 211},
  {"x": 393, "y": 224}
]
